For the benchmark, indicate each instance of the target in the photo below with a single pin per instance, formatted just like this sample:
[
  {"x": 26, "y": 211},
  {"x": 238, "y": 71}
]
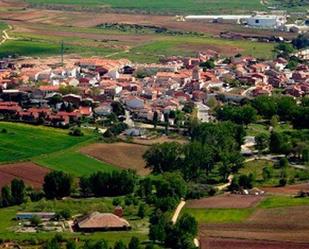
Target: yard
[{"x": 76, "y": 206}]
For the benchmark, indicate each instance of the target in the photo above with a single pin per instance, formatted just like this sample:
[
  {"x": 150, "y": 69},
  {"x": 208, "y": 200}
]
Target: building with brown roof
[{"x": 101, "y": 222}]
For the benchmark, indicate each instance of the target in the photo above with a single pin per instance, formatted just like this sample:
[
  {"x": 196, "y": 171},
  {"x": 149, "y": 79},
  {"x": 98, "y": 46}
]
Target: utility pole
[{"x": 62, "y": 52}]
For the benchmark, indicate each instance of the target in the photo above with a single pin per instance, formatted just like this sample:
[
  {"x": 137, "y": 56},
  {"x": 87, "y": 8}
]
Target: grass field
[
  {"x": 20, "y": 142},
  {"x": 47, "y": 48},
  {"x": 219, "y": 215},
  {"x": 169, "y": 6},
  {"x": 283, "y": 201},
  {"x": 188, "y": 46},
  {"x": 73, "y": 162}
]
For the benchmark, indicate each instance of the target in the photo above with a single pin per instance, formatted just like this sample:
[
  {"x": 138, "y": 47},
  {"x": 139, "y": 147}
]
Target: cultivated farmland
[
  {"x": 122, "y": 155},
  {"x": 19, "y": 142},
  {"x": 32, "y": 174},
  {"x": 226, "y": 201},
  {"x": 276, "y": 222},
  {"x": 161, "y": 6}
]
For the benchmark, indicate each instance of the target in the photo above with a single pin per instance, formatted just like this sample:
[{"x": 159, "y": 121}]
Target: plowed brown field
[
  {"x": 122, "y": 155},
  {"x": 32, "y": 174},
  {"x": 226, "y": 201}
]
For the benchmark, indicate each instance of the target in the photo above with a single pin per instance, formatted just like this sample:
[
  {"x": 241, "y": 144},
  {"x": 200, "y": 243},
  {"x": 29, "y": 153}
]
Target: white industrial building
[
  {"x": 274, "y": 20},
  {"x": 267, "y": 21}
]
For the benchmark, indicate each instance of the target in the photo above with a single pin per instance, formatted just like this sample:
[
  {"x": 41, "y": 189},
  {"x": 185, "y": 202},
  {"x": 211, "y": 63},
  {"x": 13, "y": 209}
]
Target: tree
[
  {"x": 52, "y": 244},
  {"x": 71, "y": 244},
  {"x": 246, "y": 182},
  {"x": 187, "y": 224},
  {"x": 35, "y": 220},
  {"x": 267, "y": 173},
  {"x": 265, "y": 105},
  {"x": 117, "y": 108},
  {"x": 279, "y": 143},
  {"x": 57, "y": 184},
  {"x": 155, "y": 119},
  {"x": 305, "y": 155},
  {"x": 18, "y": 191},
  {"x": 283, "y": 163},
  {"x": 158, "y": 222},
  {"x": 197, "y": 157},
  {"x": 141, "y": 211},
  {"x": 6, "y": 198},
  {"x": 120, "y": 245},
  {"x": 284, "y": 49},
  {"x": 274, "y": 121},
  {"x": 261, "y": 141},
  {"x": 247, "y": 115},
  {"x": 163, "y": 157},
  {"x": 300, "y": 42},
  {"x": 134, "y": 243},
  {"x": 208, "y": 64}
]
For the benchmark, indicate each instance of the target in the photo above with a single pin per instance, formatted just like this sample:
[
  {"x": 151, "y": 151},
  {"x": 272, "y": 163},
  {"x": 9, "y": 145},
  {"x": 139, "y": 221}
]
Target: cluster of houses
[{"x": 57, "y": 95}]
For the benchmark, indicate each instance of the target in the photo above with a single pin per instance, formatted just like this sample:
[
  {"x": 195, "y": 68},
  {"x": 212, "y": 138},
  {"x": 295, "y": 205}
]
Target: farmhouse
[{"x": 101, "y": 222}]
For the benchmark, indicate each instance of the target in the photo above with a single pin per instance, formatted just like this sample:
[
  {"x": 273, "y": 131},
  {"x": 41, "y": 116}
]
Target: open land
[
  {"x": 226, "y": 201},
  {"x": 32, "y": 174},
  {"x": 123, "y": 155},
  {"x": 276, "y": 222},
  {"x": 38, "y": 32}
]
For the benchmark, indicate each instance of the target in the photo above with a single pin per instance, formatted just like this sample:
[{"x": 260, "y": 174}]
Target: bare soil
[
  {"x": 32, "y": 174},
  {"x": 122, "y": 155},
  {"x": 221, "y": 243},
  {"x": 289, "y": 190}
]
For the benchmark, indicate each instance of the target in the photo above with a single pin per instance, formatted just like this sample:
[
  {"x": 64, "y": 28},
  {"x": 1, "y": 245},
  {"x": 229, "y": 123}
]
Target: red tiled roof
[{"x": 103, "y": 220}]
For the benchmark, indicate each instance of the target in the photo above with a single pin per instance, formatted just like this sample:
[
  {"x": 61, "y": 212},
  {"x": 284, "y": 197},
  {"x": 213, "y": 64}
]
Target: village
[{"x": 36, "y": 91}]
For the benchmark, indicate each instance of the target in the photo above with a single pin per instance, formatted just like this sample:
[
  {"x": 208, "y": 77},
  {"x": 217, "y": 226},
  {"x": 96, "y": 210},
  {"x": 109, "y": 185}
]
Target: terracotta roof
[{"x": 102, "y": 220}]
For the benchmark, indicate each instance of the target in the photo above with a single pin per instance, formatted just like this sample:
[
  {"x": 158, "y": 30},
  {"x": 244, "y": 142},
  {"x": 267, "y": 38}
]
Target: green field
[
  {"x": 188, "y": 46},
  {"x": 73, "y": 162},
  {"x": 228, "y": 215},
  {"x": 49, "y": 147},
  {"x": 47, "y": 48},
  {"x": 219, "y": 215},
  {"x": 161, "y": 6},
  {"x": 21, "y": 141},
  {"x": 283, "y": 201}
]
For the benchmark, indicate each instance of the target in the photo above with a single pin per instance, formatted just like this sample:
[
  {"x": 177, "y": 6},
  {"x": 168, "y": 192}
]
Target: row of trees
[
  {"x": 284, "y": 108},
  {"x": 108, "y": 184},
  {"x": 57, "y": 242},
  {"x": 15, "y": 194},
  {"x": 178, "y": 236}
]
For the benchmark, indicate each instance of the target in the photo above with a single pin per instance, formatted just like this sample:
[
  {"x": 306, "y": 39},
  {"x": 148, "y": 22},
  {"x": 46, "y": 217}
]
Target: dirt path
[
  {"x": 5, "y": 35},
  {"x": 223, "y": 186}
]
